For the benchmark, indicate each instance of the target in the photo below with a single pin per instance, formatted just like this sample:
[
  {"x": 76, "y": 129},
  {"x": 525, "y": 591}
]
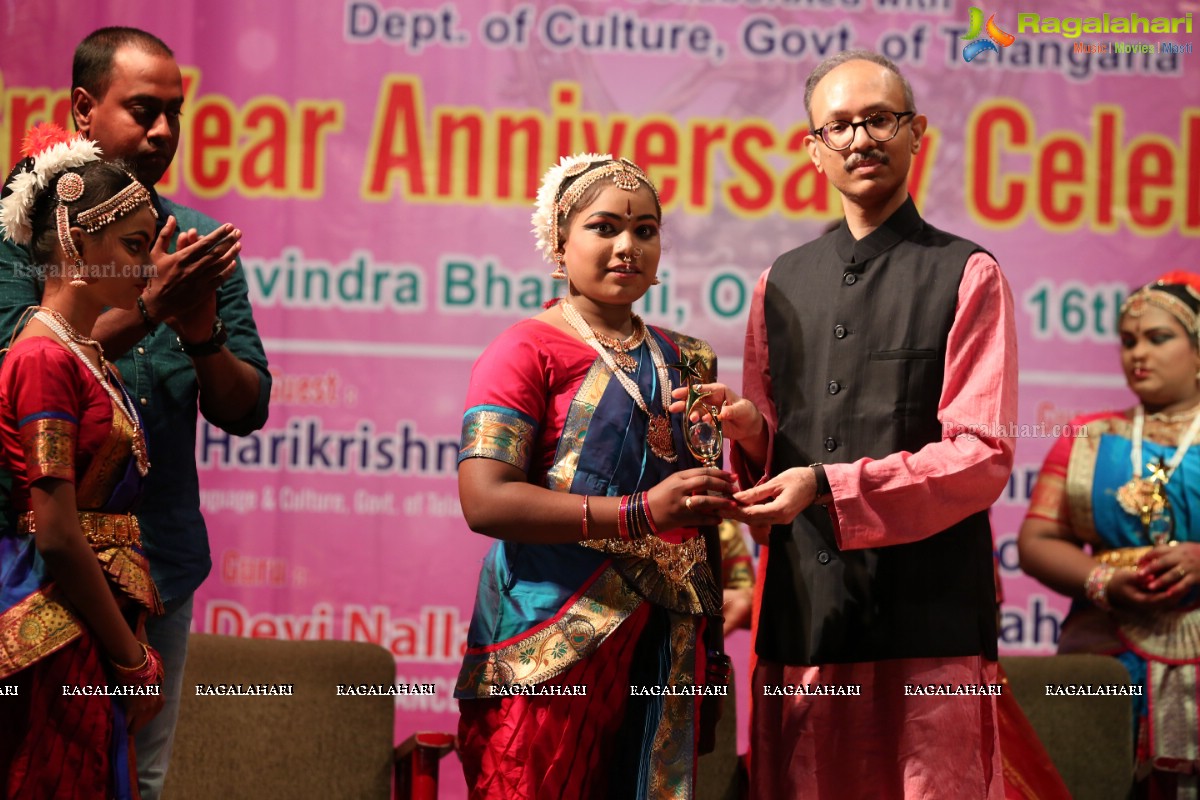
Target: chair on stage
[
  {"x": 317, "y": 744},
  {"x": 1089, "y": 739},
  {"x": 312, "y": 744}
]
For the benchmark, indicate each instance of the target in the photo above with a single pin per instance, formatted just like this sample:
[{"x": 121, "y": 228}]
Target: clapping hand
[{"x": 182, "y": 292}]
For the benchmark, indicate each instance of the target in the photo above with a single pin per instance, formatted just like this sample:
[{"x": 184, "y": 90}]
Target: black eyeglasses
[{"x": 882, "y": 126}]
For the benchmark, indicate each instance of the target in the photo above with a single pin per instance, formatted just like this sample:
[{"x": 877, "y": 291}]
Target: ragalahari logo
[{"x": 975, "y": 27}]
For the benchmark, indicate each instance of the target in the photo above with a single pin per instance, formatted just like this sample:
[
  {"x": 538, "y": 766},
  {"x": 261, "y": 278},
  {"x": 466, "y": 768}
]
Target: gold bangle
[
  {"x": 1096, "y": 586},
  {"x": 585, "y": 537},
  {"x": 139, "y": 667}
]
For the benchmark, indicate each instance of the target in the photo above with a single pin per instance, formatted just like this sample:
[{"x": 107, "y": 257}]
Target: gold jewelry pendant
[
  {"x": 140, "y": 456},
  {"x": 662, "y": 443},
  {"x": 625, "y": 361},
  {"x": 1137, "y": 494}
]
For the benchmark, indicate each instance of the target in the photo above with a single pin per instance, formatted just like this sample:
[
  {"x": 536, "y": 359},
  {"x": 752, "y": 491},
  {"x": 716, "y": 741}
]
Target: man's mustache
[{"x": 855, "y": 159}]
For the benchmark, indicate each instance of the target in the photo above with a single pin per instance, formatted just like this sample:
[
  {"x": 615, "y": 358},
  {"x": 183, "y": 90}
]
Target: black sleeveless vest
[{"x": 857, "y": 336}]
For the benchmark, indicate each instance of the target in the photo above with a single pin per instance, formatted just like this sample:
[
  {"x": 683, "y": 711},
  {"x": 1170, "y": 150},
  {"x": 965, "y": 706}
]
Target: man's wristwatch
[
  {"x": 213, "y": 345},
  {"x": 824, "y": 493},
  {"x": 150, "y": 324}
]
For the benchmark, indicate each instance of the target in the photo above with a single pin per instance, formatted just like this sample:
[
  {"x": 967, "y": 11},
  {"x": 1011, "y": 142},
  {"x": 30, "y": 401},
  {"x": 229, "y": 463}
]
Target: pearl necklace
[
  {"x": 57, "y": 323},
  {"x": 66, "y": 332},
  {"x": 1142, "y": 496},
  {"x": 659, "y": 436}
]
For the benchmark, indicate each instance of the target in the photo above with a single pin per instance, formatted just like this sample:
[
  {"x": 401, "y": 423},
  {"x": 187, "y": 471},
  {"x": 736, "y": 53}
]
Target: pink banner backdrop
[{"x": 382, "y": 157}]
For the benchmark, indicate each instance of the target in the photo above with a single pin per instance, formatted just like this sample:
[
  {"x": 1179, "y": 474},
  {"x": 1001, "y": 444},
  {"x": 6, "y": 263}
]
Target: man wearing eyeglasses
[{"x": 882, "y": 357}]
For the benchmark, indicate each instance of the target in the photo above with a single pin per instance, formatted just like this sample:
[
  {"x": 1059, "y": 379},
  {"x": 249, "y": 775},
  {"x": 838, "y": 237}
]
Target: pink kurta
[{"x": 885, "y": 743}]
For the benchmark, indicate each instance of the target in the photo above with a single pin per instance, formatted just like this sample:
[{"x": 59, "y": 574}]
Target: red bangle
[
  {"x": 622, "y": 522},
  {"x": 585, "y": 516},
  {"x": 649, "y": 516},
  {"x": 637, "y": 526},
  {"x": 148, "y": 673}
]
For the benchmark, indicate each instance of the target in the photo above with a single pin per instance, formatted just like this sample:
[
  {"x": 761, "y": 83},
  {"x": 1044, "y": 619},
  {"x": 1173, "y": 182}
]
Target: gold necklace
[
  {"x": 67, "y": 330},
  {"x": 1177, "y": 417},
  {"x": 1145, "y": 496},
  {"x": 72, "y": 339},
  {"x": 659, "y": 436},
  {"x": 620, "y": 348}
]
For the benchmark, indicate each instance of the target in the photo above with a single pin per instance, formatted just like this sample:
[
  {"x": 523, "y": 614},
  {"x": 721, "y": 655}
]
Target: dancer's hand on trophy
[
  {"x": 1172, "y": 568},
  {"x": 739, "y": 418},
  {"x": 1128, "y": 589},
  {"x": 691, "y": 497}
]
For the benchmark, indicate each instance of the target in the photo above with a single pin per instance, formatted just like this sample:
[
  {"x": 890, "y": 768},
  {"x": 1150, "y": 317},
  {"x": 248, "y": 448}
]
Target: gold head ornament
[{"x": 554, "y": 202}]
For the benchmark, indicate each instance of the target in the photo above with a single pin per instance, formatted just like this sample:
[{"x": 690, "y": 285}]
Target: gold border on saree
[
  {"x": 674, "y": 561},
  {"x": 101, "y": 529}
]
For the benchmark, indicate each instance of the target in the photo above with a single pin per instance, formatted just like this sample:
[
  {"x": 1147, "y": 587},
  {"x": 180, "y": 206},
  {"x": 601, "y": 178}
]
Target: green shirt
[{"x": 162, "y": 381}]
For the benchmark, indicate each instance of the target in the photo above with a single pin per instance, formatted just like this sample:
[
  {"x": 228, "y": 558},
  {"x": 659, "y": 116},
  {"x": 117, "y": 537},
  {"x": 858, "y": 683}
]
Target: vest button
[
  {"x": 849, "y": 278},
  {"x": 830, "y": 444},
  {"x": 823, "y": 556},
  {"x": 839, "y": 331},
  {"x": 834, "y": 387}
]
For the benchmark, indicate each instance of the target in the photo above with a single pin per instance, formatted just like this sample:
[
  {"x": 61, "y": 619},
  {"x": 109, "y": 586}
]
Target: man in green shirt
[{"x": 191, "y": 347}]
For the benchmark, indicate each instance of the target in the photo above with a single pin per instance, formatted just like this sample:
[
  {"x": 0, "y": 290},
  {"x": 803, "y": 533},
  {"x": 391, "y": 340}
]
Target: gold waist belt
[
  {"x": 675, "y": 561},
  {"x": 99, "y": 528},
  {"x": 1123, "y": 557},
  {"x": 675, "y": 576}
]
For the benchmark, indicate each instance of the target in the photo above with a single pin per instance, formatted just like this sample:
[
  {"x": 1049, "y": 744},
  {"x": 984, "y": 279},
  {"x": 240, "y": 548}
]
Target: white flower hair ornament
[
  {"x": 49, "y": 151},
  {"x": 545, "y": 211},
  {"x": 553, "y": 203}
]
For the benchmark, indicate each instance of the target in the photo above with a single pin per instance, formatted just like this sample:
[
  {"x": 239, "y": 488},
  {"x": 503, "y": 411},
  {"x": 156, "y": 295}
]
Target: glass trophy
[
  {"x": 703, "y": 435},
  {"x": 1157, "y": 518}
]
